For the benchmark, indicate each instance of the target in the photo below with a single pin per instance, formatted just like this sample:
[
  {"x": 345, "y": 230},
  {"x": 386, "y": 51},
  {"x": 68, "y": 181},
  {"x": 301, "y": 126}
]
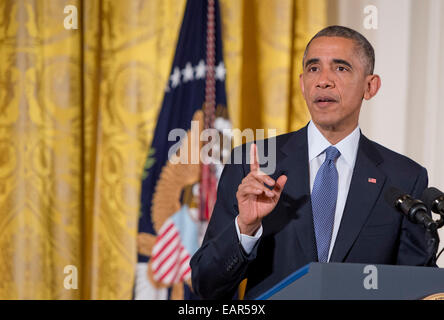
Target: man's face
[{"x": 334, "y": 83}]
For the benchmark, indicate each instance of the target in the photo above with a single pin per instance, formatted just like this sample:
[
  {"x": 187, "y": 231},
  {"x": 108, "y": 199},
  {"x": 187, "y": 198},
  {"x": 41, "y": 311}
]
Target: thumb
[{"x": 280, "y": 183}]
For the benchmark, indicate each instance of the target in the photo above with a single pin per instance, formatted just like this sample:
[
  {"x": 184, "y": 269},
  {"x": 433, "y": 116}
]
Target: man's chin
[
  {"x": 334, "y": 125},
  {"x": 326, "y": 123}
]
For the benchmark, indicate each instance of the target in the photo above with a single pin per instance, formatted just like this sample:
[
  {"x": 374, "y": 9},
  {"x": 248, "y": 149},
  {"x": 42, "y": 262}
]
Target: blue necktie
[{"x": 323, "y": 202}]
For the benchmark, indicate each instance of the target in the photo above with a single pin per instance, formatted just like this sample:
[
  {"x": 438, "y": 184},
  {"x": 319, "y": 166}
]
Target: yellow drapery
[{"x": 77, "y": 113}]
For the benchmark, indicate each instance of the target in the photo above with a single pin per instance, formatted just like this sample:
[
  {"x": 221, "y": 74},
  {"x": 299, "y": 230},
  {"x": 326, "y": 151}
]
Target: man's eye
[
  {"x": 313, "y": 69},
  {"x": 340, "y": 68}
]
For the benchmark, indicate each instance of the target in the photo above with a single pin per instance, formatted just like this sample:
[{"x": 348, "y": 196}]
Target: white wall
[{"x": 406, "y": 114}]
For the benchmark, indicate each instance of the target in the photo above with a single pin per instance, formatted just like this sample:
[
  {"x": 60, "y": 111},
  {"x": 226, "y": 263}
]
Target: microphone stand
[{"x": 432, "y": 239}]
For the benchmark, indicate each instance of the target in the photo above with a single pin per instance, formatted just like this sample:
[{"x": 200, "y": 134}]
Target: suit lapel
[
  {"x": 361, "y": 198},
  {"x": 296, "y": 194}
]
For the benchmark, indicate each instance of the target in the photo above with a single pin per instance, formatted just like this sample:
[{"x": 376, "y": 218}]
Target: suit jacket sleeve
[
  {"x": 412, "y": 246},
  {"x": 221, "y": 263}
]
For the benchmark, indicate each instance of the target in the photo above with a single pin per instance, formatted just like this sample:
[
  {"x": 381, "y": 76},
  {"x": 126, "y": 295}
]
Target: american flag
[
  {"x": 170, "y": 260},
  {"x": 196, "y": 83}
]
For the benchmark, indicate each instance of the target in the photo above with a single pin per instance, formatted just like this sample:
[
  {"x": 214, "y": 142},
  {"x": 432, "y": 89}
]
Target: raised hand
[{"x": 254, "y": 199}]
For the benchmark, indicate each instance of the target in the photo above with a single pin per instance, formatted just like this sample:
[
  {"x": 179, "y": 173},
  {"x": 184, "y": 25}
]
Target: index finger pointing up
[{"x": 254, "y": 161}]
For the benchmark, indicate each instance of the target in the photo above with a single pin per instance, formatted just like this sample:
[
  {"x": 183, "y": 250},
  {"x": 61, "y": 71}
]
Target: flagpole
[{"x": 208, "y": 179}]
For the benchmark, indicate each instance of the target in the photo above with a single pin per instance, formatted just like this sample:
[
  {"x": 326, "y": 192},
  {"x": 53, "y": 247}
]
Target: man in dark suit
[{"x": 325, "y": 199}]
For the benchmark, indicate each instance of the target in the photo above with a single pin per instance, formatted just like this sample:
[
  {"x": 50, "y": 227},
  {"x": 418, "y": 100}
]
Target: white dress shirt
[{"x": 317, "y": 143}]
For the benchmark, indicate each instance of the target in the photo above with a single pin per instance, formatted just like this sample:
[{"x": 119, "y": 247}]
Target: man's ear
[
  {"x": 373, "y": 83},
  {"x": 301, "y": 83}
]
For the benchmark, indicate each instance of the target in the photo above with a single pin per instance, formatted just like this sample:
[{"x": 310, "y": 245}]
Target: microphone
[
  {"x": 434, "y": 199},
  {"x": 415, "y": 210}
]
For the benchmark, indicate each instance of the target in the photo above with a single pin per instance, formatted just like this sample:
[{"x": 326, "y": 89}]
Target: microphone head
[
  {"x": 430, "y": 195},
  {"x": 415, "y": 210},
  {"x": 392, "y": 195}
]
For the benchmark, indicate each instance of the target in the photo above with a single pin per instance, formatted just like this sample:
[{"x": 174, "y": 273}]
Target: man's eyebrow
[
  {"x": 311, "y": 61},
  {"x": 336, "y": 61},
  {"x": 341, "y": 61}
]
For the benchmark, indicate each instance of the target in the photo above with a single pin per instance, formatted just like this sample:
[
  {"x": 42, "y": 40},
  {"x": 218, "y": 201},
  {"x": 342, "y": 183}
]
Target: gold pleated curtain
[{"x": 77, "y": 112}]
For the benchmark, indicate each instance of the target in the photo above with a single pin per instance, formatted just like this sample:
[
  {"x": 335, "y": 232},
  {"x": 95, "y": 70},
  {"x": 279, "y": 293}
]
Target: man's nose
[{"x": 325, "y": 80}]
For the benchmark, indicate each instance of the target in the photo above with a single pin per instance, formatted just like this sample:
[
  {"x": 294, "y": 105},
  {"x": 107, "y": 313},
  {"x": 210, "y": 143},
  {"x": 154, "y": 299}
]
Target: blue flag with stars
[{"x": 170, "y": 229}]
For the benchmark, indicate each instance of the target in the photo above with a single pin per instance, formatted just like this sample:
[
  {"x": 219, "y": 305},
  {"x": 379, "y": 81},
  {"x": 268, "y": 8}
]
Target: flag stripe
[
  {"x": 186, "y": 274},
  {"x": 161, "y": 248},
  {"x": 165, "y": 257},
  {"x": 167, "y": 266},
  {"x": 160, "y": 241},
  {"x": 164, "y": 241},
  {"x": 171, "y": 261},
  {"x": 167, "y": 272},
  {"x": 184, "y": 267},
  {"x": 165, "y": 228}
]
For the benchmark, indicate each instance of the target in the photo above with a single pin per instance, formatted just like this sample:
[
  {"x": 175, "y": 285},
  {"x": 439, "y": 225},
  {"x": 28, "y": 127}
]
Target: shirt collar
[{"x": 348, "y": 147}]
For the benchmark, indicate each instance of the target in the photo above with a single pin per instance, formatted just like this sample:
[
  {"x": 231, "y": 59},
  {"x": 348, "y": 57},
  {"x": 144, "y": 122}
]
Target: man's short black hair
[{"x": 363, "y": 45}]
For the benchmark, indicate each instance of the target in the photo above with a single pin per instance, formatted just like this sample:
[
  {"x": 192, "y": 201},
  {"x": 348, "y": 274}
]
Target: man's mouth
[{"x": 325, "y": 101}]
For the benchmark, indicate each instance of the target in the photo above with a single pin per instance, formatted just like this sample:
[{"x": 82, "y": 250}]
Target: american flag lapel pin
[{"x": 372, "y": 180}]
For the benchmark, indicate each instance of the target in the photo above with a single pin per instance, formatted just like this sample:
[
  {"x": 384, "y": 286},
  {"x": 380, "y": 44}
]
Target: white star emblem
[
  {"x": 188, "y": 73},
  {"x": 200, "y": 70},
  {"x": 175, "y": 77},
  {"x": 220, "y": 71}
]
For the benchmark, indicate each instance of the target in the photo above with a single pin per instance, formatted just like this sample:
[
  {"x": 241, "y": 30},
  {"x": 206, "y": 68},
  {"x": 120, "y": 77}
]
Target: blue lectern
[{"x": 348, "y": 281}]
